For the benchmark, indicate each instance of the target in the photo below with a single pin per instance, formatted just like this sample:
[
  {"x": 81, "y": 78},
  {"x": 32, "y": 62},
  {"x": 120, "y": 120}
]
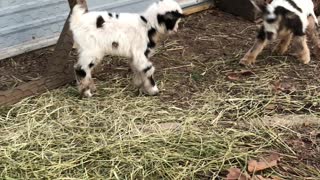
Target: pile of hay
[{"x": 120, "y": 136}]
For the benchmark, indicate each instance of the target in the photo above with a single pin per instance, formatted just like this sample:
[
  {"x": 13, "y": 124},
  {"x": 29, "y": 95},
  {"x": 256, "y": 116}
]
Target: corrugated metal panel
[{"x": 27, "y": 25}]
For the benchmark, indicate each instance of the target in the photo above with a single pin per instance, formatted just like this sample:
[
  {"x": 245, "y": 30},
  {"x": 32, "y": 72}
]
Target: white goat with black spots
[
  {"x": 125, "y": 34},
  {"x": 285, "y": 19}
]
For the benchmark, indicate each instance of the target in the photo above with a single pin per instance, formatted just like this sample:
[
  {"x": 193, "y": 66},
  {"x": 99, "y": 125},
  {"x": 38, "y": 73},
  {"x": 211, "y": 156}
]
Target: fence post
[{"x": 59, "y": 72}]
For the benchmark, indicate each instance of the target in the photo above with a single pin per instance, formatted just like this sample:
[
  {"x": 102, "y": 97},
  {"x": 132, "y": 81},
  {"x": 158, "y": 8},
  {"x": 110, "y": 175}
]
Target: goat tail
[{"x": 78, "y": 10}]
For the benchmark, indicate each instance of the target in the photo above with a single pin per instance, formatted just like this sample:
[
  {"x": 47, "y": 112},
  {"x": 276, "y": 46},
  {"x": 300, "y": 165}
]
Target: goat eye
[{"x": 271, "y": 20}]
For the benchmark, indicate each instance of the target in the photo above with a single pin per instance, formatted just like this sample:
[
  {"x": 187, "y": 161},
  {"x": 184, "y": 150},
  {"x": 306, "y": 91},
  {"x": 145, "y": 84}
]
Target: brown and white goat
[{"x": 287, "y": 20}]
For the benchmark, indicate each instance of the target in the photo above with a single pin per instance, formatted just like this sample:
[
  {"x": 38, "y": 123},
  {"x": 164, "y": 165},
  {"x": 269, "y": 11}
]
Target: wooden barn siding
[{"x": 26, "y": 25}]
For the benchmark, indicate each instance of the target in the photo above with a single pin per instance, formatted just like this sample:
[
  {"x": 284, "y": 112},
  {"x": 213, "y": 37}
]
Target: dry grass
[
  {"x": 120, "y": 136},
  {"x": 201, "y": 125}
]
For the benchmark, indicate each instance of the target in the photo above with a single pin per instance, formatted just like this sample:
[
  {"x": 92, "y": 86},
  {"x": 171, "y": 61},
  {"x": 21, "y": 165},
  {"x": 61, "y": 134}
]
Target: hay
[
  {"x": 122, "y": 136},
  {"x": 201, "y": 125}
]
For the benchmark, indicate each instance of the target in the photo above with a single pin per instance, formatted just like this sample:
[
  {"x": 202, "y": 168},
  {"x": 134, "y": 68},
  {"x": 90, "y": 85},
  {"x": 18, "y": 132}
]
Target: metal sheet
[{"x": 26, "y": 25}]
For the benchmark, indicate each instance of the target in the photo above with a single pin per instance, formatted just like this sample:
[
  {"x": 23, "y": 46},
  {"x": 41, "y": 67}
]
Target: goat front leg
[
  {"x": 302, "y": 50},
  {"x": 143, "y": 76},
  {"x": 282, "y": 47},
  {"x": 251, "y": 56},
  {"x": 83, "y": 70}
]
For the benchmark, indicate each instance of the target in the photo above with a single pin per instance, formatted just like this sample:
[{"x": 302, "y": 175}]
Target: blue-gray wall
[{"x": 27, "y": 25}]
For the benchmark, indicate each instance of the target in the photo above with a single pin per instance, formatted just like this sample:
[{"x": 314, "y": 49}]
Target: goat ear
[
  {"x": 174, "y": 15},
  {"x": 260, "y": 5}
]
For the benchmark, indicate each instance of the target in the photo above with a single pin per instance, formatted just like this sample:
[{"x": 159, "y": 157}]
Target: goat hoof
[
  {"x": 279, "y": 52},
  {"x": 245, "y": 62},
  {"x": 93, "y": 88},
  {"x": 306, "y": 61},
  {"x": 86, "y": 93},
  {"x": 153, "y": 91}
]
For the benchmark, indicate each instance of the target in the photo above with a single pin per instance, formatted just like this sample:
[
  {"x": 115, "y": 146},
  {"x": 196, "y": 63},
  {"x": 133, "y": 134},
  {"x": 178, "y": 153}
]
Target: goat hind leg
[
  {"x": 312, "y": 33},
  {"x": 302, "y": 49}
]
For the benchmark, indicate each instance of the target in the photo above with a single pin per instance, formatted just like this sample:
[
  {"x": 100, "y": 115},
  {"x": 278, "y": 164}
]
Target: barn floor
[{"x": 211, "y": 115}]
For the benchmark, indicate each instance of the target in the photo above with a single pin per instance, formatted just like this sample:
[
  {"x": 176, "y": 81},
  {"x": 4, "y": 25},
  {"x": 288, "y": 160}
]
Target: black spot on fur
[
  {"x": 147, "y": 69},
  {"x": 91, "y": 65},
  {"x": 281, "y": 11},
  {"x": 143, "y": 19},
  {"x": 147, "y": 52},
  {"x": 151, "y": 33},
  {"x": 110, "y": 15},
  {"x": 115, "y": 45},
  {"x": 266, "y": 11},
  {"x": 80, "y": 72},
  {"x": 153, "y": 83},
  {"x": 270, "y": 35},
  {"x": 261, "y": 34},
  {"x": 293, "y": 4},
  {"x": 100, "y": 22},
  {"x": 290, "y": 21},
  {"x": 117, "y": 16},
  {"x": 295, "y": 25},
  {"x": 169, "y": 19}
]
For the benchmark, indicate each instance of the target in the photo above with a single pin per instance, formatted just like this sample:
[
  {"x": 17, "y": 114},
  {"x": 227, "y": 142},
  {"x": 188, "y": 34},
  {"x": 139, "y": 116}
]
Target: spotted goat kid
[
  {"x": 126, "y": 34},
  {"x": 286, "y": 20}
]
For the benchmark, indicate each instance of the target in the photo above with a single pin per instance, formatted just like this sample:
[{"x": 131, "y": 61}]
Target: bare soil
[
  {"x": 204, "y": 39},
  {"x": 202, "y": 56}
]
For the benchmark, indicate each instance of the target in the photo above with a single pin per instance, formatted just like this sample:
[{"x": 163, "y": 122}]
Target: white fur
[
  {"x": 129, "y": 31},
  {"x": 306, "y": 6}
]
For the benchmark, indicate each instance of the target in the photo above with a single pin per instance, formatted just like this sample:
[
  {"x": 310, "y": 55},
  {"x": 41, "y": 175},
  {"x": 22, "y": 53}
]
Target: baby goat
[
  {"x": 284, "y": 19},
  {"x": 126, "y": 34}
]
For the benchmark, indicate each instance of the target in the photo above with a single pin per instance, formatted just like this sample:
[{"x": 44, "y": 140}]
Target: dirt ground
[
  {"x": 205, "y": 39},
  {"x": 204, "y": 56}
]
